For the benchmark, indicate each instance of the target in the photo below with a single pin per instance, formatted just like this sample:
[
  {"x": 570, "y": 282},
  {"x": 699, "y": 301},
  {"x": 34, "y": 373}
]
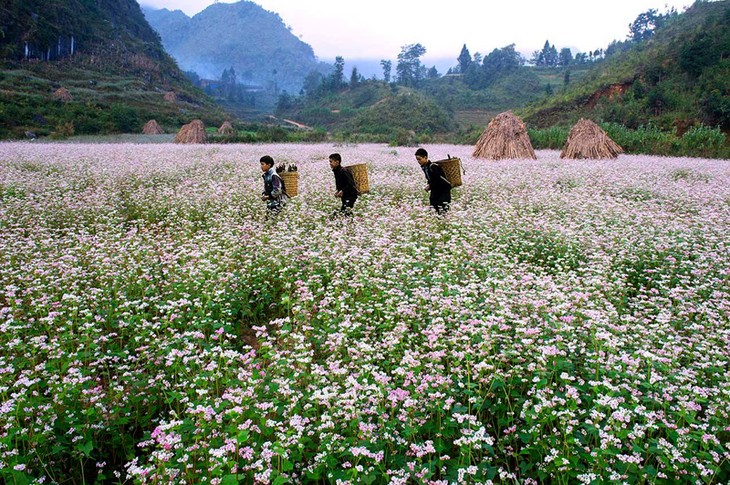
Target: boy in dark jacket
[
  {"x": 344, "y": 184},
  {"x": 274, "y": 194},
  {"x": 437, "y": 184}
]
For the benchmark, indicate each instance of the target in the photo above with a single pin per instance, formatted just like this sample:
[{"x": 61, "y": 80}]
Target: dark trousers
[
  {"x": 346, "y": 209},
  {"x": 440, "y": 202},
  {"x": 348, "y": 204}
]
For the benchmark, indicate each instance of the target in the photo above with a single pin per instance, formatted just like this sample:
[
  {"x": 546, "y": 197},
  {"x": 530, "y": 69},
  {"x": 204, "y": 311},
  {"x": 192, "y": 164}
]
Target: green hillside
[
  {"x": 678, "y": 78},
  {"x": 105, "y": 55}
]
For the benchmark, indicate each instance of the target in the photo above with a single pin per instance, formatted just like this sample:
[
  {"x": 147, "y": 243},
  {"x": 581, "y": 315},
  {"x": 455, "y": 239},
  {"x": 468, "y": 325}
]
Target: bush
[
  {"x": 703, "y": 141},
  {"x": 548, "y": 138}
]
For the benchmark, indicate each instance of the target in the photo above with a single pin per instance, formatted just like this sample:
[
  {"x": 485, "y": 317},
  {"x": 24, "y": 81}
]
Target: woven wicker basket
[
  {"x": 360, "y": 175},
  {"x": 452, "y": 170},
  {"x": 291, "y": 183}
]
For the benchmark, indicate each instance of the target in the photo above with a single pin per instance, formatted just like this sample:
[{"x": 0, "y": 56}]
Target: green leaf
[
  {"x": 86, "y": 448},
  {"x": 280, "y": 480},
  {"x": 20, "y": 478},
  {"x": 229, "y": 480}
]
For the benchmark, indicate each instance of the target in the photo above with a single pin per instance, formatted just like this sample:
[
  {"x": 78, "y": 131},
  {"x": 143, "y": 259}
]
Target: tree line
[{"x": 479, "y": 71}]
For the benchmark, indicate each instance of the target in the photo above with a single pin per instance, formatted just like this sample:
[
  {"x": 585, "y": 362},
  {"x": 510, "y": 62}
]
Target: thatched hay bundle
[
  {"x": 193, "y": 132},
  {"x": 152, "y": 128},
  {"x": 170, "y": 96},
  {"x": 588, "y": 140},
  {"x": 226, "y": 128},
  {"x": 62, "y": 94},
  {"x": 505, "y": 137}
]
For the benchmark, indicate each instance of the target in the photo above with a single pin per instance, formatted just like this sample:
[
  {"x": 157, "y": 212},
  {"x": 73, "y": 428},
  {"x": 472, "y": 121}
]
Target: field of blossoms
[{"x": 567, "y": 322}]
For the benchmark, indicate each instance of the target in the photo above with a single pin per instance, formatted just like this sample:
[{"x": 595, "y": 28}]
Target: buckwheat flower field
[{"x": 567, "y": 322}]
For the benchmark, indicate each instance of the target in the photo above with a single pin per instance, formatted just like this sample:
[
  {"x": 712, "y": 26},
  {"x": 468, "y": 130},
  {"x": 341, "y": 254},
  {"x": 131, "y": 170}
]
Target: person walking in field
[
  {"x": 437, "y": 185},
  {"x": 344, "y": 185},
  {"x": 274, "y": 193}
]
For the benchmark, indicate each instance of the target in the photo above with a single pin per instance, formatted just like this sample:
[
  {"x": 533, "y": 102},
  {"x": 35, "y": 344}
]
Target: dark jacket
[
  {"x": 440, "y": 186},
  {"x": 345, "y": 182},
  {"x": 274, "y": 188}
]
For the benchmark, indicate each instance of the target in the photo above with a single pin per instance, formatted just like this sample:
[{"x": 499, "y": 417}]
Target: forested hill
[
  {"x": 104, "y": 54},
  {"x": 254, "y": 42},
  {"x": 114, "y": 31},
  {"x": 676, "y": 77}
]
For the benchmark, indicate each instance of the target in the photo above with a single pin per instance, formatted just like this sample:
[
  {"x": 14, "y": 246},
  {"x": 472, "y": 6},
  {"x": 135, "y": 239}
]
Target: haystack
[
  {"x": 170, "y": 96},
  {"x": 152, "y": 128},
  {"x": 505, "y": 137},
  {"x": 226, "y": 128},
  {"x": 193, "y": 132},
  {"x": 62, "y": 94},
  {"x": 588, "y": 140}
]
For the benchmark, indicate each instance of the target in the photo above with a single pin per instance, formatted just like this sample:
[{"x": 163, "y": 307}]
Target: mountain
[
  {"x": 104, "y": 54},
  {"x": 254, "y": 42}
]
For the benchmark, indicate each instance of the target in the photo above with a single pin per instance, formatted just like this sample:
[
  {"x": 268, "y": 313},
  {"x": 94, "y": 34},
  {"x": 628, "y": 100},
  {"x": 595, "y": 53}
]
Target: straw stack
[
  {"x": 505, "y": 137},
  {"x": 63, "y": 95},
  {"x": 226, "y": 128},
  {"x": 152, "y": 128},
  {"x": 588, "y": 140},
  {"x": 193, "y": 132}
]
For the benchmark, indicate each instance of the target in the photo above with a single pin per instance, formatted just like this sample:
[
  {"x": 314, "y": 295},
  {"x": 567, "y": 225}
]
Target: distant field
[
  {"x": 475, "y": 117},
  {"x": 566, "y": 322}
]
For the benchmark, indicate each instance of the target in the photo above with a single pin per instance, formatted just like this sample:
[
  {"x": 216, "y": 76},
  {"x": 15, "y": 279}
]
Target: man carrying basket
[
  {"x": 344, "y": 184},
  {"x": 437, "y": 183}
]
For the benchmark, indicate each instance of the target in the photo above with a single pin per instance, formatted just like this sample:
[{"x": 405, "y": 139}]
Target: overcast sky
[{"x": 379, "y": 28}]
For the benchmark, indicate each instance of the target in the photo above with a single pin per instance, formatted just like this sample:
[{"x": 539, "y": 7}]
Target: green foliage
[
  {"x": 409, "y": 68},
  {"x": 703, "y": 141},
  {"x": 549, "y": 138},
  {"x": 407, "y": 110},
  {"x": 259, "y": 133}
]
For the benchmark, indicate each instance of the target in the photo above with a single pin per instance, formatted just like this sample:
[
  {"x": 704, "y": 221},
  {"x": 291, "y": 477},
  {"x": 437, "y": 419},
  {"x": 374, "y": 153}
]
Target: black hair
[
  {"x": 421, "y": 153},
  {"x": 336, "y": 156},
  {"x": 267, "y": 160}
]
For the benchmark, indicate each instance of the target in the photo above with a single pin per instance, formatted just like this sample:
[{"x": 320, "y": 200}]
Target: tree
[
  {"x": 547, "y": 57},
  {"x": 409, "y": 68},
  {"x": 432, "y": 73},
  {"x": 643, "y": 26},
  {"x": 498, "y": 63},
  {"x": 386, "y": 65},
  {"x": 355, "y": 77},
  {"x": 504, "y": 59},
  {"x": 464, "y": 59},
  {"x": 565, "y": 58},
  {"x": 550, "y": 54},
  {"x": 338, "y": 77},
  {"x": 312, "y": 83}
]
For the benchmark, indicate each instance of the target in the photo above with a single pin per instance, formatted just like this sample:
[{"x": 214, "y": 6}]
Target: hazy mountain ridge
[{"x": 254, "y": 41}]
